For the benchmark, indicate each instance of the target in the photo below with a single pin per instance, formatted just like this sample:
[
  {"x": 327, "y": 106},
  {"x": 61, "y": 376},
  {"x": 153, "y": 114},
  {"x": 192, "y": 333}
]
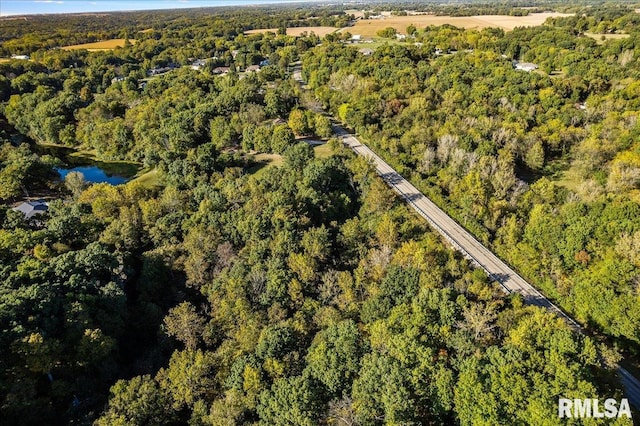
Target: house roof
[
  {"x": 32, "y": 208},
  {"x": 525, "y": 66}
]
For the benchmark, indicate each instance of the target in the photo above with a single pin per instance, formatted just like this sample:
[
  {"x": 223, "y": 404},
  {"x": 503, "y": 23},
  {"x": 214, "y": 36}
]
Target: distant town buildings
[{"x": 161, "y": 70}]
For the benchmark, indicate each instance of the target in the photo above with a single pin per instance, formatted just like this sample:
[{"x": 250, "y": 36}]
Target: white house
[{"x": 525, "y": 66}]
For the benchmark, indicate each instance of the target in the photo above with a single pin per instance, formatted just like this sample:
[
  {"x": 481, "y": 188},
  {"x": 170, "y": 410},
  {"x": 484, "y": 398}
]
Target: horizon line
[{"x": 187, "y": 6}]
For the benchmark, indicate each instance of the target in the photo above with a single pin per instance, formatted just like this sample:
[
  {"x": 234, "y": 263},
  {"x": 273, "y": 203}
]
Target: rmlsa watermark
[{"x": 577, "y": 408}]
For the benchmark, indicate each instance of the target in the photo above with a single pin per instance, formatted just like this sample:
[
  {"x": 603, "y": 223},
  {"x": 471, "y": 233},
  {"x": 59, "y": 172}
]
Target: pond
[
  {"x": 94, "y": 171},
  {"x": 94, "y": 174}
]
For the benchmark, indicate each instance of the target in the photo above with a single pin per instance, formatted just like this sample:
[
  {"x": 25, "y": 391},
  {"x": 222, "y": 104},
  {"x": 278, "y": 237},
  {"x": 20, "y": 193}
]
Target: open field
[
  {"x": 369, "y": 28},
  {"x": 5, "y": 60},
  {"x": 322, "y": 151},
  {"x": 266, "y": 161},
  {"x": 296, "y": 31},
  {"x": 354, "y": 12},
  {"x": 149, "y": 179},
  {"x": 99, "y": 45},
  {"x": 598, "y": 37}
]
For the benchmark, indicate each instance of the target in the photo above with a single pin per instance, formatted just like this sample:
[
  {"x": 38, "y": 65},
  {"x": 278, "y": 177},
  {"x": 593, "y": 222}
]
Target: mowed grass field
[
  {"x": 99, "y": 45},
  {"x": 296, "y": 31},
  {"x": 607, "y": 37},
  {"x": 369, "y": 27},
  {"x": 266, "y": 161}
]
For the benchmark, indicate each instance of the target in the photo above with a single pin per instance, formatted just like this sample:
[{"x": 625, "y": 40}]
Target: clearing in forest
[
  {"x": 600, "y": 40},
  {"x": 369, "y": 27},
  {"x": 297, "y": 31},
  {"x": 100, "y": 45}
]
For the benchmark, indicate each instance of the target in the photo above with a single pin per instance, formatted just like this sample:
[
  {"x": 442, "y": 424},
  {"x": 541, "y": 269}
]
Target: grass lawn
[
  {"x": 149, "y": 179},
  {"x": 266, "y": 161},
  {"x": 378, "y": 42},
  {"x": 322, "y": 151},
  {"x": 607, "y": 37}
]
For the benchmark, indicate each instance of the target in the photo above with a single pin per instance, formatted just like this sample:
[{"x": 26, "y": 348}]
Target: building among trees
[{"x": 32, "y": 208}]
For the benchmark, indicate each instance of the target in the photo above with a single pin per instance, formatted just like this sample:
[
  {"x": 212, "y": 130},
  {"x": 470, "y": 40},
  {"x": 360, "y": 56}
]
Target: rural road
[
  {"x": 455, "y": 234},
  {"x": 471, "y": 248},
  {"x": 466, "y": 243}
]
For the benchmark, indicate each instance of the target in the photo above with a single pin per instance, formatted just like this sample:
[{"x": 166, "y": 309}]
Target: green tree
[
  {"x": 323, "y": 126},
  {"x": 299, "y": 123},
  {"x": 293, "y": 401},
  {"x": 138, "y": 401},
  {"x": 388, "y": 32},
  {"x": 189, "y": 377},
  {"x": 382, "y": 392},
  {"x": 299, "y": 155},
  {"x": 185, "y": 324},
  {"x": 281, "y": 139},
  {"x": 334, "y": 356},
  {"x": 75, "y": 183}
]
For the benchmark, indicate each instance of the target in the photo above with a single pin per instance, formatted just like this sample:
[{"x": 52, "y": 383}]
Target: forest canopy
[{"x": 266, "y": 275}]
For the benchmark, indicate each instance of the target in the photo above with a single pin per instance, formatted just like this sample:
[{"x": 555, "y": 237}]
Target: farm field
[
  {"x": 100, "y": 45},
  {"x": 296, "y": 31},
  {"x": 369, "y": 28}
]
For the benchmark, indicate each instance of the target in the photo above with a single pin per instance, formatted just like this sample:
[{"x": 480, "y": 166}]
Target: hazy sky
[{"x": 19, "y": 7}]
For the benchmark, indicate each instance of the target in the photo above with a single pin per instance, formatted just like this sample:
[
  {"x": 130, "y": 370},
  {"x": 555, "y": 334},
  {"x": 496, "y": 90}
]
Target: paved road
[
  {"x": 466, "y": 243},
  {"x": 471, "y": 248}
]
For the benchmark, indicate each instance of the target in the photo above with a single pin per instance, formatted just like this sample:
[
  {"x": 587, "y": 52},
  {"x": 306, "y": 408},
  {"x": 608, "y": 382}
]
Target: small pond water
[
  {"x": 94, "y": 174},
  {"x": 94, "y": 171}
]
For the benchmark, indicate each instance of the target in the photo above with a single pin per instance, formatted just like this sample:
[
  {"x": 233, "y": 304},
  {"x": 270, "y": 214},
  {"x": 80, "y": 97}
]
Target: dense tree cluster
[
  {"x": 308, "y": 293},
  {"x": 284, "y": 299},
  {"x": 543, "y": 165}
]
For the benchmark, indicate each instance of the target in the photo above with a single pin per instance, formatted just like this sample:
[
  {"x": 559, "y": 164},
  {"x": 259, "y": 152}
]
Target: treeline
[
  {"x": 104, "y": 101},
  {"x": 543, "y": 167},
  {"x": 301, "y": 297},
  {"x": 45, "y": 32},
  {"x": 600, "y": 19},
  {"x": 308, "y": 293}
]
